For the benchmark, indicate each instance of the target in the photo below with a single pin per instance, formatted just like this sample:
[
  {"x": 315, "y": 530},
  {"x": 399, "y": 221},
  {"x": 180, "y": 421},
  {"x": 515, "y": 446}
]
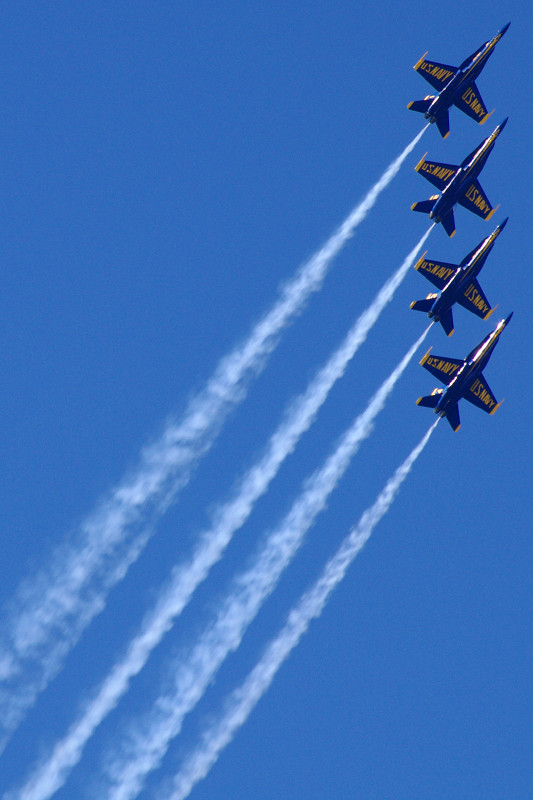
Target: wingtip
[
  {"x": 424, "y": 358},
  {"x": 496, "y": 407},
  {"x": 422, "y": 257},
  {"x": 421, "y": 162},
  {"x": 420, "y": 60}
]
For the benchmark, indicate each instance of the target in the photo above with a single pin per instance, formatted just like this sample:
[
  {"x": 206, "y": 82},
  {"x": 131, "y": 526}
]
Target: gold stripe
[{"x": 420, "y": 60}]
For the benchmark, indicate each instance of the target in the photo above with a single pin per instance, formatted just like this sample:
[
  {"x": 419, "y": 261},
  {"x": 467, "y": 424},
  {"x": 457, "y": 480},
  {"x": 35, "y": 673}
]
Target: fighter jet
[
  {"x": 463, "y": 379},
  {"x": 457, "y": 284},
  {"x": 456, "y": 86},
  {"x": 458, "y": 184}
]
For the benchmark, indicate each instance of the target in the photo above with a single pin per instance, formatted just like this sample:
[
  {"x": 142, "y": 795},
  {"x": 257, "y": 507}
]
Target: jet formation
[{"x": 457, "y": 283}]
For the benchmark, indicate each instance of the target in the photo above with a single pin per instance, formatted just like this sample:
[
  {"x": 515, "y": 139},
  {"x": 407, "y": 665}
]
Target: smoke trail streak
[
  {"x": 149, "y": 741},
  {"x": 53, "y": 773},
  {"x": 50, "y": 611},
  {"x": 242, "y": 702}
]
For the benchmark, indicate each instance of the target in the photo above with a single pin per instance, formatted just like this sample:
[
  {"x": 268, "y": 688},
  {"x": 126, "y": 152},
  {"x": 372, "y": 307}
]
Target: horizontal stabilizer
[
  {"x": 424, "y": 206},
  {"x": 420, "y": 105},
  {"x": 423, "y": 305},
  {"x": 430, "y": 400}
]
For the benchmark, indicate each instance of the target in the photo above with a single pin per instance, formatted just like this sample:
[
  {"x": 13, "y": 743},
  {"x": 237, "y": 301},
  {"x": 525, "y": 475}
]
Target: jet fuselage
[
  {"x": 466, "y": 272},
  {"x": 460, "y": 83},
  {"x": 461, "y": 183},
  {"x": 474, "y": 365}
]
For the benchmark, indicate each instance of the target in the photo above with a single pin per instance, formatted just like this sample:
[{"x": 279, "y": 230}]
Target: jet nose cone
[
  {"x": 502, "y": 225},
  {"x": 506, "y": 322},
  {"x": 502, "y": 125},
  {"x": 504, "y": 29}
]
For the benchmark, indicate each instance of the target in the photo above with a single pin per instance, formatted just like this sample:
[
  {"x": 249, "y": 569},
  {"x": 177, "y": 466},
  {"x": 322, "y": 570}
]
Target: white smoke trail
[
  {"x": 59, "y": 603},
  {"x": 243, "y": 700},
  {"x": 52, "y": 774},
  {"x": 50, "y": 611},
  {"x": 150, "y": 740}
]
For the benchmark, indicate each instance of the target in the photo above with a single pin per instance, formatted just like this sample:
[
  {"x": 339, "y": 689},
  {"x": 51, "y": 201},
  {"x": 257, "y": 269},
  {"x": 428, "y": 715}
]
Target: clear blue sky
[{"x": 164, "y": 168}]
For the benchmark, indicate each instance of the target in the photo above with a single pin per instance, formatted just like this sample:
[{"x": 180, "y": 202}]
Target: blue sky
[{"x": 165, "y": 169}]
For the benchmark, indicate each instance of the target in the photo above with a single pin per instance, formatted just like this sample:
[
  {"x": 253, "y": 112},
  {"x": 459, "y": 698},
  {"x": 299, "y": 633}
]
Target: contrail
[
  {"x": 50, "y": 611},
  {"x": 149, "y": 742},
  {"x": 243, "y": 700},
  {"x": 53, "y": 773}
]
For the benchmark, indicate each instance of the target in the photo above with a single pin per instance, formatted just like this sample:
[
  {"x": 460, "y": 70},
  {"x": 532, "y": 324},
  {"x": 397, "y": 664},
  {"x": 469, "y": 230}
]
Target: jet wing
[
  {"x": 438, "y": 75},
  {"x": 470, "y": 103},
  {"x": 476, "y": 201},
  {"x": 437, "y": 173},
  {"x": 474, "y": 300},
  {"x": 442, "y": 368},
  {"x": 438, "y": 272},
  {"x": 481, "y": 395}
]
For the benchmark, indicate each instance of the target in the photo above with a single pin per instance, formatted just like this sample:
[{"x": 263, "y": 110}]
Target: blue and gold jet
[
  {"x": 458, "y": 184},
  {"x": 456, "y": 86},
  {"x": 457, "y": 284},
  {"x": 462, "y": 379}
]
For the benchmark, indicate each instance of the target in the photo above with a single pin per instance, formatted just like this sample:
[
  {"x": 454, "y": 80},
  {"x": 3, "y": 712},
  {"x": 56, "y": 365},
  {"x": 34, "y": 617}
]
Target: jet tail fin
[
  {"x": 421, "y": 105},
  {"x": 424, "y": 206},
  {"x": 452, "y": 415},
  {"x": 443, "y": 124},
  {"x": 446, "y": 321},
  {"x": 448, "y": 223}
]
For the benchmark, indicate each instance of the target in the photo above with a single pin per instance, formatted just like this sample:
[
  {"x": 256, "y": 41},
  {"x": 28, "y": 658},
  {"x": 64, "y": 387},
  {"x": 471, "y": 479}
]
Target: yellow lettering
[
  {"x": 436, "y": 169},
  {"x": 479, "y": 391},
  {"x": 480, "y": 203},
  {"x": 436, "y": 269},
  {"x": 438, "y": 72},
  {"x": 475, "y": 298},
  {"x": 471, "y": 100},
  {"x": 442, "y": 366}
]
